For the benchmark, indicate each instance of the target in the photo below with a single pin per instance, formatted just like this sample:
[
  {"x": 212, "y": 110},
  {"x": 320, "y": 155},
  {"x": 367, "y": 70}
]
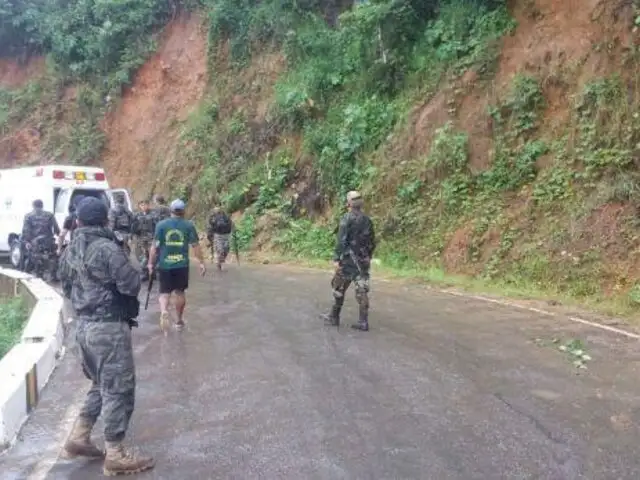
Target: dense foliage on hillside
[{"x": 348, "y": 110}]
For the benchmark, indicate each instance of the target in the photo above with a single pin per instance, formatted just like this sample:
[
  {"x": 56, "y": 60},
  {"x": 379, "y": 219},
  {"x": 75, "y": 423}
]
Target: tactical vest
[{"x": 123, "y": 219}]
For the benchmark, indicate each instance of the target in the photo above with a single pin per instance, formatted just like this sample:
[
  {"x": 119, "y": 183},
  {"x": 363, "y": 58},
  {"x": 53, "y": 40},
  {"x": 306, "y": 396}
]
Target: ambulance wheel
[{"x": 15, "y": 255}]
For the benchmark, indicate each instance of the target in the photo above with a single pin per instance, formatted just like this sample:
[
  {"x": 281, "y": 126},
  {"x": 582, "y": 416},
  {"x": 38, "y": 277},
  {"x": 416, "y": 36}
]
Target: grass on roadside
[
  {"x": 613, "y": 307},
  {"x": 13, "y": 315}
]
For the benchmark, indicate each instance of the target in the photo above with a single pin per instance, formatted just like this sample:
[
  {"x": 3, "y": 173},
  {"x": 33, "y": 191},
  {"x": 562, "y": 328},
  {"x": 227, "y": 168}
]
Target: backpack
[{"x": 221, "y": 224}]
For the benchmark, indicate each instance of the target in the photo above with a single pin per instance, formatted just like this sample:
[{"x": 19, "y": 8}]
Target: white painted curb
[{"x": 26, "y": 368}]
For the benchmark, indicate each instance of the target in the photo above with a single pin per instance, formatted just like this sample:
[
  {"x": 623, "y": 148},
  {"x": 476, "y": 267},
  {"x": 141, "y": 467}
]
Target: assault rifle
[
  {"x": 235, "y": 246},
  {"x": 152, "y": 276}
]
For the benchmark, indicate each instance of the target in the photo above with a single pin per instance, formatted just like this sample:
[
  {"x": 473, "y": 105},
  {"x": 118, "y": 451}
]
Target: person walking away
[
  {"x": 39, "y": 230},
  {"x": 144, "y": 228},
  {"x": 103, "y": 286},
  {"x": 171, "y": 248},
  {"x": 161, "y": 211},
  {"x": 121, "y": 221},
  {"x": 352, "y": 259},
  {"x": 218, "y": 233},
  {"x": 70, "y": 223}
]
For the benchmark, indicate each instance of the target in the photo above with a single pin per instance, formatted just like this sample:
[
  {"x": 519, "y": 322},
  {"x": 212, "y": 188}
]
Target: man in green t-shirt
[{"x": 171, "y": 247}]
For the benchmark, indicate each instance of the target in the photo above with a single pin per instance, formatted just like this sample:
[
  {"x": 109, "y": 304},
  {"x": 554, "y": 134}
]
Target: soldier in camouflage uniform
[
  {"x": 121, "y": 221},
  {"x": 218, "y": 233},
  {"x": 161, "y": 211},
  {"x": 144, "y": 229},
  {"x": 352, "y": 258},
  {"x": 38, "y": 230},
  {"x": 103, "y": 286}
]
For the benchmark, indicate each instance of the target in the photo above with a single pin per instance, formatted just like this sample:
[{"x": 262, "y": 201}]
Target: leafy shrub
[
  {"x": 13, "y": 315},
  {"x": 303, "y": 238}
]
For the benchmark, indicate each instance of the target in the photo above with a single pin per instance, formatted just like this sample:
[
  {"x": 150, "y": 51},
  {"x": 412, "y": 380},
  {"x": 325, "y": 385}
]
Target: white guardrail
[{"x": 26, "y": 368}]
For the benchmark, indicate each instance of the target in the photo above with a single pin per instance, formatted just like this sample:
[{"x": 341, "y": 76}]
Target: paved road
[{"x": 442, "y": 387}]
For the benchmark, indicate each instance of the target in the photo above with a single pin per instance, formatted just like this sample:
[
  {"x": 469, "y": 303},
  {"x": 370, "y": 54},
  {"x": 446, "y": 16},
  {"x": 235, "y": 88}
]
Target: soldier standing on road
[
  {"x": 42, "y": 225},
  {"x": 171, "y": 248},
  {"x": 161, "y": 211},
  {"x": 144, "y": 228},
  {"x": 218, "y": 233},
  {"x": 104, "y": 286},
  {"x": 352, "y": 258},
  {"x": 121, "y": 221}
]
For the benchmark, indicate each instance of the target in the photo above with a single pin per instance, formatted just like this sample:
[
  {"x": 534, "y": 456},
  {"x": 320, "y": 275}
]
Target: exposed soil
[
  {"x": 456, "y": 253},
  {"x": 142, "y": 131},
  {"x": 539, "y": 46},
  {"x": 15, "y": 73},
  {"x": 21, "y": 147}
]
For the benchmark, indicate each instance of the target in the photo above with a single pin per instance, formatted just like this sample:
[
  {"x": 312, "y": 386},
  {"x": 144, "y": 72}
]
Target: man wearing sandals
[{"x": 171, "y": 247}]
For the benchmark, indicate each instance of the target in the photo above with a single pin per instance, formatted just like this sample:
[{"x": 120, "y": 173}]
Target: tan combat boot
[
  {"x": 121, "y": 461},
  {"x": 79, "y": 442}
]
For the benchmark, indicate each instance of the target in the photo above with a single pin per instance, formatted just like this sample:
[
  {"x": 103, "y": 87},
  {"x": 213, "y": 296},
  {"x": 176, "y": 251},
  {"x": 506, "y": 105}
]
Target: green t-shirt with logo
[{"x": 173, "y": 237}]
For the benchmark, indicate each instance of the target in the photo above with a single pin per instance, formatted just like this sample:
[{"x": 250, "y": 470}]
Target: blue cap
[{"x": 177, "y": 205}]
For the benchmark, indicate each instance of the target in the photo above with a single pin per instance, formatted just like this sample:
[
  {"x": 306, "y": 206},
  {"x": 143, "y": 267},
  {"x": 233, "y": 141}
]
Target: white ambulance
[{"x": 57, "y": 186}]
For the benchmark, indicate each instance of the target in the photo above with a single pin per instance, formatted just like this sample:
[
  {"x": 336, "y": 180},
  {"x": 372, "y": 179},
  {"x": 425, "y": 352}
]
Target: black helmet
[{"x": 76, "y": 201}]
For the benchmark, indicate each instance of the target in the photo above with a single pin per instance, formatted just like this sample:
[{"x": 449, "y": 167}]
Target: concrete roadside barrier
[{"x": 26, "y": 368}]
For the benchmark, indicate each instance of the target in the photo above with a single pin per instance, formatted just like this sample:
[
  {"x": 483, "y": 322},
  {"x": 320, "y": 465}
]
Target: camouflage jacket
[
  {"x": 160, "y": 213},
  {"x": 144, "y": 225},
  {"x": 37, "y": 223},
  {"x": 95, "y": 272},
  {"x": 121, "y": 219},
  {"x": 355, "y": 234}
]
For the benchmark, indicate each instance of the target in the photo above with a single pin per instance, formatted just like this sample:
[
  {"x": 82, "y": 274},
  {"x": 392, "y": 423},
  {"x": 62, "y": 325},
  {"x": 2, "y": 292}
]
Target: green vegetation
[
  {"x": 13, "y": 315},
  {"x": 544, "y": 210},
  {"x": 344, "y": 91},
  {"x": 96, "y": 45}
]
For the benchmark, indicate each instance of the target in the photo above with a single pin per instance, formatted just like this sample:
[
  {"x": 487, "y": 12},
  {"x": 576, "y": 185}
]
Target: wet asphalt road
[{"x": 442, "y": 387}]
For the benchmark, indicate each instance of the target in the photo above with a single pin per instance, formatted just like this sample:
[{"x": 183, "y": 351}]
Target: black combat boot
[{"x": 363, "y": 322}]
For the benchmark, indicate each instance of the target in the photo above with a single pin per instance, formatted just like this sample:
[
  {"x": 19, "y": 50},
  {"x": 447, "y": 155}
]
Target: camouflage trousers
[
  {"x": 143, "y": 246},
  {"x": 107, "y": 360},
  {"x": 221, "y": 246},
  {"x": 345, "y": 275}
]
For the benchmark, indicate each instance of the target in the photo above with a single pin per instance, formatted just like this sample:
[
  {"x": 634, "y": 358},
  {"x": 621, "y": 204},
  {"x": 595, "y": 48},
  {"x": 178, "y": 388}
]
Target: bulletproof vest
[
  {"x": 221, "y": 224},
  {"x": 39, "y": 224},
  {"x": 122, "y": 219},
  {"x": 145, "y": 223},
  {"x": 162, "y": 212},
  {"x": 359, "y": 228},
  {"x": 125, "y": 307}
]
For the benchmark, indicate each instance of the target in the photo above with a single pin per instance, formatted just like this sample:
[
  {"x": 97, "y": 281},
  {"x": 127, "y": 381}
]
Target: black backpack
[{"x": 221, "y": 223}]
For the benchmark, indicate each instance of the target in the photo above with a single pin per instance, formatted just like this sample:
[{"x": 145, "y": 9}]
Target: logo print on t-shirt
[{"x": 174, "y": 238}]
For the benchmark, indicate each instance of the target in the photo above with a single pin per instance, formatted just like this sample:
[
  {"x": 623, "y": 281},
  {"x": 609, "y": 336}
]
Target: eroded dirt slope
[{"x": 142, "y": 131}]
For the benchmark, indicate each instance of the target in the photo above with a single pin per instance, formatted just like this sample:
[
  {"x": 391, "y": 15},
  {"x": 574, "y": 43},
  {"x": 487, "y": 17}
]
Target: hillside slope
[{"x": 497, "y": 141}]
